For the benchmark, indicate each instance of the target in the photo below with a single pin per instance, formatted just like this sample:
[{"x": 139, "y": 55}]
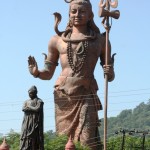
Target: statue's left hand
[
  {"x": 109, "y": 70},
  {"x": 33, "y": 67}
]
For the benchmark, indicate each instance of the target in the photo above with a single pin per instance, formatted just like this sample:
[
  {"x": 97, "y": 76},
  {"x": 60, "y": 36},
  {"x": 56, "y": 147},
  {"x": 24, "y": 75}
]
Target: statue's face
[
  {"x": 32, "y": 94},
  {"x": 79, "y": 14}
]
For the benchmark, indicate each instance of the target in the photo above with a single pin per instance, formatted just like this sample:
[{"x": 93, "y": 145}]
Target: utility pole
[
  {"x": 144, "y": 133},
  {"x": 124, "y": 131},
  {"x": 106, "y": 13},
  {"x": 123, "y": 139}
]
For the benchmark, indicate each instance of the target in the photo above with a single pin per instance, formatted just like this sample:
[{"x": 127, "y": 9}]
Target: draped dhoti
[{"x": 76, "y": 110}]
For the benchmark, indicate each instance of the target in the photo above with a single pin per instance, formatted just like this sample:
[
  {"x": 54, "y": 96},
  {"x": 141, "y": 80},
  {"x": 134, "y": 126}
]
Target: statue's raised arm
[
  {"x": 50, "y": 63},
  {"x": 33, "y": 68}
]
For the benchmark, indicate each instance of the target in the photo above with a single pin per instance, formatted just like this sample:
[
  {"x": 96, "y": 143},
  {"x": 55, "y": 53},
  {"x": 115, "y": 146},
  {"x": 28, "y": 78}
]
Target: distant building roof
[
  {"x": 70, "y": 145},
  {"x": 4, "y": 145}
]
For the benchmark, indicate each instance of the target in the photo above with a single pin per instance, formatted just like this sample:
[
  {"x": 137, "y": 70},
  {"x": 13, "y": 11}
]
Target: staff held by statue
[{"x": 106, "y": 14}]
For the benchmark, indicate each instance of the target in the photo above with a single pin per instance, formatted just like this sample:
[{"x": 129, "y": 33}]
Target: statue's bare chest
[{"x": 81, "y": 48}]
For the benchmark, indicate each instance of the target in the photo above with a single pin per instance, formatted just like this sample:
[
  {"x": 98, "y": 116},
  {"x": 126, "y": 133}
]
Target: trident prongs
[
  {"x": 102, "y": 4},
  {"x": 113, "y": 4},
  {"x": 105, "y": 9}
]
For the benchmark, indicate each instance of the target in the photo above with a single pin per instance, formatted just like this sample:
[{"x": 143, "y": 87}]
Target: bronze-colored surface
[
  {"x": 79, "y": 48},
  {"x": 32, "y": 126}
]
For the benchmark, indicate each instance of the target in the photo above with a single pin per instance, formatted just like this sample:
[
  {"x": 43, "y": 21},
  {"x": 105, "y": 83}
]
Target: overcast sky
[{"x": 25, "y": 29}]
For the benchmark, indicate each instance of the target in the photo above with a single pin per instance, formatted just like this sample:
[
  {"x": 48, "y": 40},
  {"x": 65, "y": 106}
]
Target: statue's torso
[{"x": 92, "y": 54}]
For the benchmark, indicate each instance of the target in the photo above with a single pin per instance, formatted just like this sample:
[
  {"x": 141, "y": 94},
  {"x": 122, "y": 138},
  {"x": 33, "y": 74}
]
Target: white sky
[{"x": 25, "y": 29}]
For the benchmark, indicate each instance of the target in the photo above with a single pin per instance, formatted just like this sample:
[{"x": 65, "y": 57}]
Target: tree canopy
[{"x": 138, "y": 118}]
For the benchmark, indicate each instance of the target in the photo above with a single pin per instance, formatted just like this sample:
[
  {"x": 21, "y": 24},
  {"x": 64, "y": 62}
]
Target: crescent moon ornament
[
  {"x": 114, "y": 3},
  {"x": 102, "y": 4},
  {"x": 68, "y": 1}
]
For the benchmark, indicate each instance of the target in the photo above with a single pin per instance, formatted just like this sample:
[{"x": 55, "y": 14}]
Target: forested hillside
[{"x": 138, "y": 119}]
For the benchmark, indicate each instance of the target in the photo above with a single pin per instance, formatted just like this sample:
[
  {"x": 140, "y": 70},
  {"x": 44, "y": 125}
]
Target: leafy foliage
[
  {"x": 51, "y": 141},
  {"x": 12, "y": 139},
  {"x": 130, "y": 143},
  {"x": 55, "y": 142},
  {"x": 138, "y": 118}
]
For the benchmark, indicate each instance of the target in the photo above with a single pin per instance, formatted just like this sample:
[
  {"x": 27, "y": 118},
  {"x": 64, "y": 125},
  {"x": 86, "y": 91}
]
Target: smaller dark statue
[{"x": 32, "y": 125}]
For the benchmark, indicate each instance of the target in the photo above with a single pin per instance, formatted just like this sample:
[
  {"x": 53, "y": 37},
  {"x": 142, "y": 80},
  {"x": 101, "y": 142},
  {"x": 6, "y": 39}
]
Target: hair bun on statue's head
[
  {"x": 87, "y": 2},
  {"x": 69, "y": 1}
]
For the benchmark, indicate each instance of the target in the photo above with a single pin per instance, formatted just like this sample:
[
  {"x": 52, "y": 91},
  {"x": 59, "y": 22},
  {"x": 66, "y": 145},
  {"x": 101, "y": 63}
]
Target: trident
[{"x": 106, "y": 13}]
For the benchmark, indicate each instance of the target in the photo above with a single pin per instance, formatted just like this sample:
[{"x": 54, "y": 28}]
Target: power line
[
  {"x": 45, "y": 110},
  {"x": 134, "y": 90},
  {"x": 112, "y": 103},
  {"x": 14, "y": 102}
]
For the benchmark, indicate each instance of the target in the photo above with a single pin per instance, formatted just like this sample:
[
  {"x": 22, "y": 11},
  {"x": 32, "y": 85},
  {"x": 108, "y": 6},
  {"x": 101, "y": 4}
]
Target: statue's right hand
[{"x": 33, "y": 67}]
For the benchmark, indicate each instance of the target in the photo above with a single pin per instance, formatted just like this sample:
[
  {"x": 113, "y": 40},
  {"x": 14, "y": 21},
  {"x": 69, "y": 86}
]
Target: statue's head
[
  {"x": 82, "y": 7},
  {"x": 32, "y": 92}
]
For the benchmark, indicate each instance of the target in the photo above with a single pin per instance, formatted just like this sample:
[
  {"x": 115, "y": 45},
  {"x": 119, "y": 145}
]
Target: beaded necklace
[{"x": 77, "y": 57}]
